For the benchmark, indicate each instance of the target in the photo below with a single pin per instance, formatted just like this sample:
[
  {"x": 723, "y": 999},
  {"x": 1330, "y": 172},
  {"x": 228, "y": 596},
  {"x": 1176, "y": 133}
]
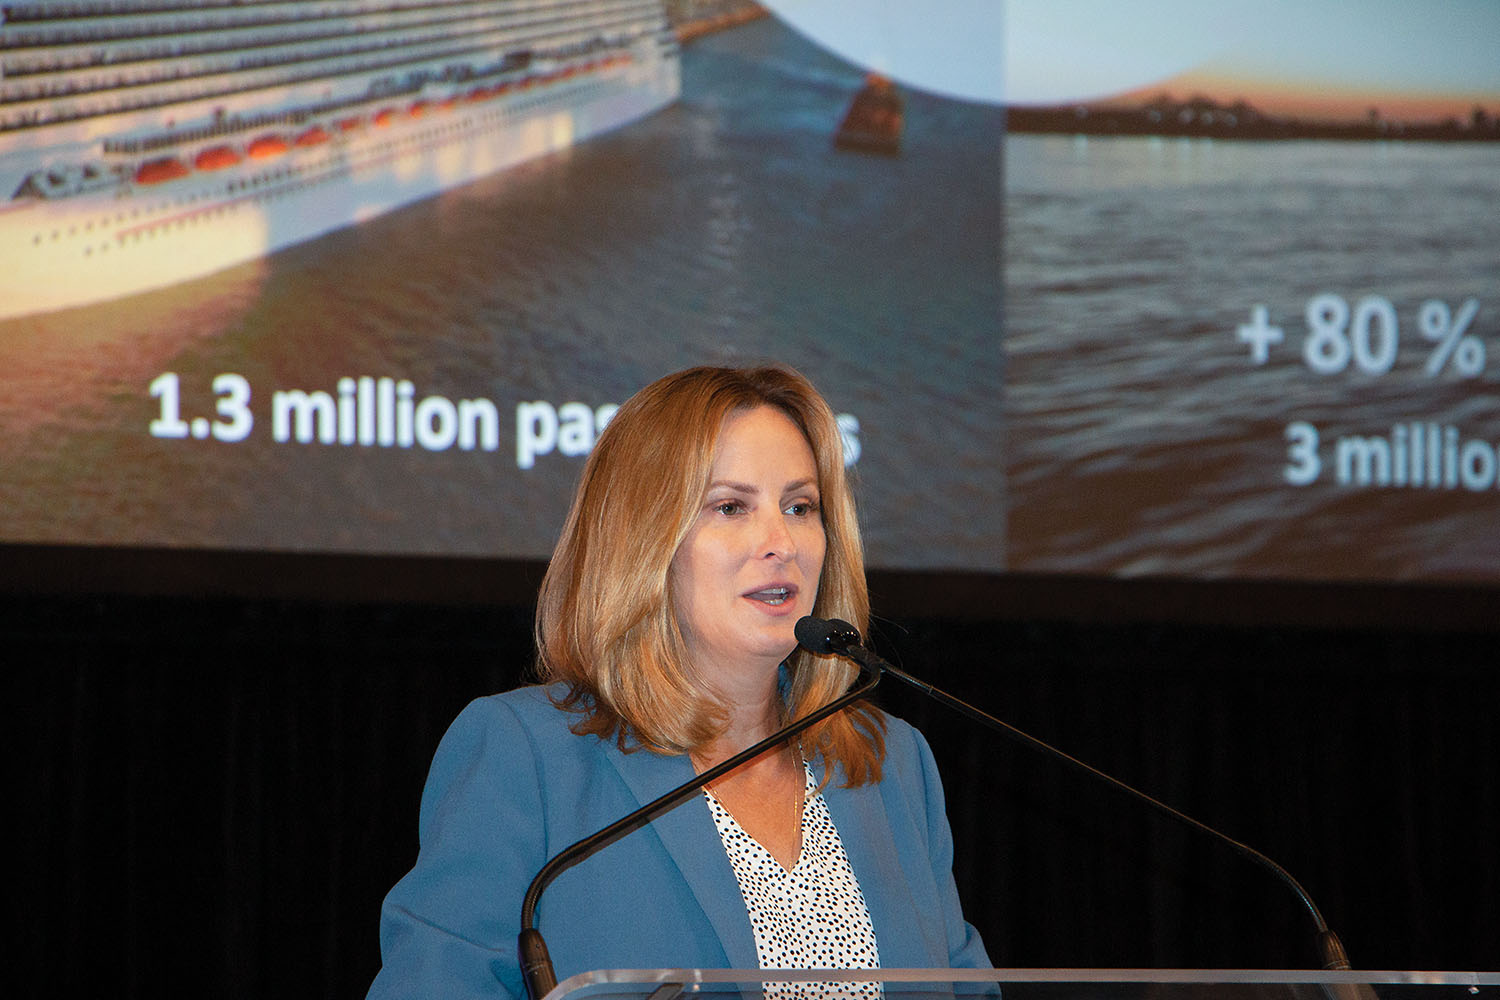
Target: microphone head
[{"x": 823, "y": 636}]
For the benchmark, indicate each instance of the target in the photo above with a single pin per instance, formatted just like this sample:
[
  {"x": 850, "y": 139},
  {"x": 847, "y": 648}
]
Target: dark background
[{"x": 217, "y": 761}]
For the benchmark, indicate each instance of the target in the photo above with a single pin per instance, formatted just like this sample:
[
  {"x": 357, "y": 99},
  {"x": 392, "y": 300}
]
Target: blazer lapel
[
  {"x": 864, "y": 826},
  {"x": 691, "y": 839}
]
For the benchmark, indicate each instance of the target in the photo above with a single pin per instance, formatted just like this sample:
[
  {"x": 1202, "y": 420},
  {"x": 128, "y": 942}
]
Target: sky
[{"x": 1054, "y": 51}]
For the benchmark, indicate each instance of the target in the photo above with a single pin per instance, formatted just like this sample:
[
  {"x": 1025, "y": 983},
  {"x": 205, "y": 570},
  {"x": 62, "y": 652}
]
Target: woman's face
[{"x": 750, "y": 564}]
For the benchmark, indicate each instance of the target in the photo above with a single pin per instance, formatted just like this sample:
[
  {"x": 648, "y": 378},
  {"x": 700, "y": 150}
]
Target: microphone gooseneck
[
  {"x": 537, "y": 970},
  {"x": 838, "y": 636}
]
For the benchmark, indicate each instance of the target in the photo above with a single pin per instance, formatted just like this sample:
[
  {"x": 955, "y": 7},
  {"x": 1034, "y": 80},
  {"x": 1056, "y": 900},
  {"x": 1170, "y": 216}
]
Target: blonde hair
[{"x": 606, "y": 624}]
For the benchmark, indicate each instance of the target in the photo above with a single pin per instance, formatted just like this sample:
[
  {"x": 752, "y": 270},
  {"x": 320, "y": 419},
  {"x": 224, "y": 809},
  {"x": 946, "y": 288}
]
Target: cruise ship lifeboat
[
  {"x": 314, "y": 136},
  {"x": 348, "y": 124},
  {"x": 418, "y": 108},
  {"x": 267, "y": 147},
  {"x": 383, "y": 117},
  {"x": 217, "y": 158},
  {"x": 159, "y": 171}
]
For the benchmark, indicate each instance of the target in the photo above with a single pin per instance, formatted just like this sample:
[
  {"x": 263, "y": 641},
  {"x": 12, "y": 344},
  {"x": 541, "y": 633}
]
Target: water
[
  {"x": 724, "y": 229},
  {"x": 1141, "y": 437}
]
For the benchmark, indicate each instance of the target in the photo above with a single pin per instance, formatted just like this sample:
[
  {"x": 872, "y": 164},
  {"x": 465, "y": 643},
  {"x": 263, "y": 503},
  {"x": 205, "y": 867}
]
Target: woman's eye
[
  {"x": 803, "y": 508},
  {"x": 727, "y": 507}
]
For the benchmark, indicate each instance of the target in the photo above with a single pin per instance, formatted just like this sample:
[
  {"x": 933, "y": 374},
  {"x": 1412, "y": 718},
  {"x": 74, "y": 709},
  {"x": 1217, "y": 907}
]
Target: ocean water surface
[{"x": 1142, "y": 439}]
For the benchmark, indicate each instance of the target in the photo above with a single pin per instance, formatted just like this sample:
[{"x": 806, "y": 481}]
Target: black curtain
[{"x": 215, "y": 793}]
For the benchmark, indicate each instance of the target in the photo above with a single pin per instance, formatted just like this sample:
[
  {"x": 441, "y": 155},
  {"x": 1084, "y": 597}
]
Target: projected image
[
  {"x": 1252, "y": 290},
  {"x": 373, "y": 280}
]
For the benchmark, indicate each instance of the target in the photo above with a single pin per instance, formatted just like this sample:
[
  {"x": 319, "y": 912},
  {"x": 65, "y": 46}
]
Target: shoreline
[{"x": 1201, "y": 119}]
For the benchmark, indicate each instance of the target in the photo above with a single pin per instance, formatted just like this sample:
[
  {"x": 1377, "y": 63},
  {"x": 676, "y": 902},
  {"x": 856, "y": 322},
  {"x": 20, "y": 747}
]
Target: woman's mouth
[{"x": 774, "y": 596}]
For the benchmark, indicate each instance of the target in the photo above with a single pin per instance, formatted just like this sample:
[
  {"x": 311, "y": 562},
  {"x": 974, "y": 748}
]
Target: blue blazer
[{"x": 511, "y": 786}]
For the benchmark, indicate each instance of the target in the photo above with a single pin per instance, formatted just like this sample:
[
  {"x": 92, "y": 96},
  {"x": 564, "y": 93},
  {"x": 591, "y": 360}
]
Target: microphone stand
[
  {"x": 845, "y": 639},
  {"x": 536, "y": 964}
]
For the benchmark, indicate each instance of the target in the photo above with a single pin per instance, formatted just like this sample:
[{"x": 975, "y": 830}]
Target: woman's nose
[{"x": 777, "y": 540}]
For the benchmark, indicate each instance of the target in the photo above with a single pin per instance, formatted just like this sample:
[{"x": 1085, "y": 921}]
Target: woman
[{"x": 712, "y": 514}]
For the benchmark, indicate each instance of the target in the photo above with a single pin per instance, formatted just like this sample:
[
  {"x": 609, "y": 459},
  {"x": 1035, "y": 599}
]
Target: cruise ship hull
[{"x": 97, "y": 246}]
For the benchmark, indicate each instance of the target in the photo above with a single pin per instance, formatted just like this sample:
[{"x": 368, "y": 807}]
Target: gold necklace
[
  {"x": 799, "y": 801},
  {"x": 799, "y": 798}
]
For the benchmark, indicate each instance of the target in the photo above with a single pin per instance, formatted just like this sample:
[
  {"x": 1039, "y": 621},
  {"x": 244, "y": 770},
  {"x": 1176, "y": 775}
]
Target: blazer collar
[
  {"x": 863, "y": 819},
  {"x": 692, "y": 841}
]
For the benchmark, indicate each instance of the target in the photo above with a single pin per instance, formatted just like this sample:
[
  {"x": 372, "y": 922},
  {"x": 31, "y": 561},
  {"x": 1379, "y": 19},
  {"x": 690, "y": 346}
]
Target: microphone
[
  {"x": 822, "y": 636},
  {"x": 840, "y": 637},
  {"x": 537, "y": 970}
]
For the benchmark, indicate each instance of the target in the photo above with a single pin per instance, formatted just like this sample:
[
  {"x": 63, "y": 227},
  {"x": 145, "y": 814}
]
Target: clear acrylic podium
[{"x": 1027, "y": 984}]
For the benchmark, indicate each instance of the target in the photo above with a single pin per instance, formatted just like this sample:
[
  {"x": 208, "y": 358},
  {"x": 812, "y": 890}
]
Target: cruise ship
[{"x": 148, "y": 142}]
